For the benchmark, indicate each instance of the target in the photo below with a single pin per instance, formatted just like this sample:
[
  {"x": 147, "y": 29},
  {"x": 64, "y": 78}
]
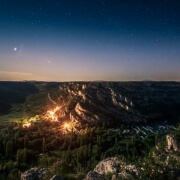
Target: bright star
[{"x": 15, "y": 49}]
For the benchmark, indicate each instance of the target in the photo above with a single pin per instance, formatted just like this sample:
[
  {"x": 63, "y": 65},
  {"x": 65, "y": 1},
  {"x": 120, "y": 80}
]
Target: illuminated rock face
[
  {"x": 26, "y": 125},
  {"x": 52, "y": 114},
  {"x": 171, "y": 143},
  {"x": 96, "y": 102}
]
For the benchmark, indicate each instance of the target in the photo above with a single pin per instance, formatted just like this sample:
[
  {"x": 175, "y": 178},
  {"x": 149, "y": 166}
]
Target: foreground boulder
[
  {"x": 34, "y": 174},
  {"x": 107, "y": 166},
  {"x": 114, "y": 166}
]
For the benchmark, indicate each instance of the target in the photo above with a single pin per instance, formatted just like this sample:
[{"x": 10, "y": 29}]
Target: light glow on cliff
[
  {"x": 52, "y": 114},
  {"x": 26, "y": 125}
]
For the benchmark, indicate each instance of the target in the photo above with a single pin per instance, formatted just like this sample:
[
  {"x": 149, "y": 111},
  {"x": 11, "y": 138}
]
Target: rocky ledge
[
  {"x": 34, "y": 173},
  {"x": 118, "y": 168}
]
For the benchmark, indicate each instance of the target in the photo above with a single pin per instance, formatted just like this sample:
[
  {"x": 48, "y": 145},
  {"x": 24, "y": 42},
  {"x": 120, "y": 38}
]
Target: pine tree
[
  {"x": 156, "y": 139},
  {"x": 26, "y": 141},
  {"x": 19, "y": 155},
  {"x": 9, "y": 149},
  {"x": 104, "y": 125},
  {"x": 68, "y": 154},
  {"x": 16, "y": 137},
  {"x": 25, "y": 155},
  {"x": 89, "y": 150},
  {"x": 44, "y": 145},
  {"x": 128, "y": 148},
  {"x": 98, "y": 140},
  {"x": 6, "y": 138}
]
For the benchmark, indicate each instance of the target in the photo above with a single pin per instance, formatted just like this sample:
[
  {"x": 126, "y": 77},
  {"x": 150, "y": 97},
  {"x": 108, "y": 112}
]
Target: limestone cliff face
[
  {"x": 107, "y": 166},
  {"x": 171, "y": 143},
  {"x": 96, "y": 102}
]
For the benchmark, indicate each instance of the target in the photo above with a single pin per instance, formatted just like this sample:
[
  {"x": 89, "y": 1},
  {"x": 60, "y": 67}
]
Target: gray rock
[
  {"x": 34, "y": 174},
  {"x": 171, "y": 143},
  {"x": 92, "y": 175},
  {"x": 106, "y": 166}
]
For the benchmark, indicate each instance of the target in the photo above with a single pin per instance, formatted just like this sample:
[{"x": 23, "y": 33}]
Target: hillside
[
  {"x": 75, "y": 130},
  {"x": 124, "y": 102},
  {"x": 12, "y": 93}
]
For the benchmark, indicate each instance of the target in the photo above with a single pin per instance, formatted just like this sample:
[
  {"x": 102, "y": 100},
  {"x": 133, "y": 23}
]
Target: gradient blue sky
[{"x": 70, "y": 40}]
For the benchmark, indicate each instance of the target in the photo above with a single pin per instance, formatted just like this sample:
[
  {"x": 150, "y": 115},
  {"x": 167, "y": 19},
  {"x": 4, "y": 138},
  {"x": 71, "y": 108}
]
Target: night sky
[{"x": 75, "y": 40}]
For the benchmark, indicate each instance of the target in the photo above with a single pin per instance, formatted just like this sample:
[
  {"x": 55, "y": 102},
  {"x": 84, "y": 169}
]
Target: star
[{"x": 15, "y": 49}]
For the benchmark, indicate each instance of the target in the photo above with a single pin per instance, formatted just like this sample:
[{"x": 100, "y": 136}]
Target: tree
[
  {"x": 9, "y": 149},
  {"x": 16, "y": 137},
  {"x": 44, "y": 145},
  {"x": 96, "y": 151},
  {"x": 89, "y": 150},
  {"x": 25, "y": 155},
  {"x": 98, "y": 140},
  {"x": 26, "y": 139},
  {"x": 19, "y": 155},
  {"x": 128, "y": 148}
]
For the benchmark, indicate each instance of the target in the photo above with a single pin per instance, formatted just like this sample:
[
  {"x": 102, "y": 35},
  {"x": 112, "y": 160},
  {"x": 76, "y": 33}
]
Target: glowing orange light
[
  {"x": 26, "y": 125},
  {"x": 52, "y": 114},
  {"x": 66, "y": 126}
]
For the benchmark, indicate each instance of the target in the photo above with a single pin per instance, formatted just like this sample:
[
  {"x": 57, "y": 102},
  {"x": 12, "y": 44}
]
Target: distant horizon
[
  {"x": 22, "y": 76},
  {"x": 90, "y": 81}
]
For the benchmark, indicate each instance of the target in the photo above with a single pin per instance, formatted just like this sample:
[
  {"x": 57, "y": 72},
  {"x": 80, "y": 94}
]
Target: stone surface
[
  {"x": 92, "y": 175},
  {"x": 34, "y": 174},
  {"x": 114, "y": 177},
  {"x": 106, "y": 166},
  {"x": 113, "y": 165},
  {"x": 95, "y": 102},
  {"x": 124, "y": 175},
  {"x": 171, "y": 143}
]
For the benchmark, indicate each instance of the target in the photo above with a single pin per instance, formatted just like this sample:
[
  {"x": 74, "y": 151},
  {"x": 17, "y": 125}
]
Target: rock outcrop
[
  {"x": 107, "y": 166},
  {"x": 124, "y": 175},
  {"x": 171, "y": 143},
  {"x": 118, "y": 168},
  {"x": 34, "y": 173},
  {"x": 92, "y": 175},
  {"x": 96, "y": 102}
]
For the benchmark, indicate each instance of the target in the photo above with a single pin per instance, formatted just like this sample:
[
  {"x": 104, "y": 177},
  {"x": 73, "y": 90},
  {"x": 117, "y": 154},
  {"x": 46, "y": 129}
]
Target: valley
[{"x": 67, "y": 128}]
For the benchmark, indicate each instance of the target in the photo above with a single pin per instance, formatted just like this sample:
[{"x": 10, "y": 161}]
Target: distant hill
[{"x": 13, "y": 93}]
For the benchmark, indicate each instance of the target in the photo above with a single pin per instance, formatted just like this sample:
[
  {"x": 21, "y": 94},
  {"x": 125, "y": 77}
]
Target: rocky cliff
[{"x": 127, "y": 102}]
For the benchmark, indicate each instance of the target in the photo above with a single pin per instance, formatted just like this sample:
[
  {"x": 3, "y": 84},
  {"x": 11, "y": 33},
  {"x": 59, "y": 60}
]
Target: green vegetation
[{"x": 72, "y": 154}]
